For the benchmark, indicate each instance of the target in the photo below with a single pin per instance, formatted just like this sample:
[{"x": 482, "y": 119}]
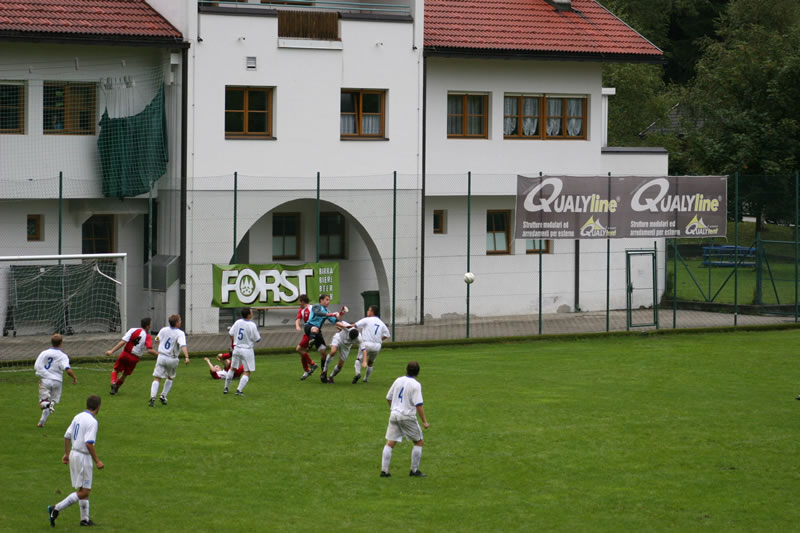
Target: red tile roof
[
  {"x": 133, "y": 19},
  {"x": 531, "y": 26}
]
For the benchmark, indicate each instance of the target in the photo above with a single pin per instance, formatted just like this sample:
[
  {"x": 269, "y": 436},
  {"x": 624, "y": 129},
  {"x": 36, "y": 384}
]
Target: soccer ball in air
[{"x": 469, "y": 277}]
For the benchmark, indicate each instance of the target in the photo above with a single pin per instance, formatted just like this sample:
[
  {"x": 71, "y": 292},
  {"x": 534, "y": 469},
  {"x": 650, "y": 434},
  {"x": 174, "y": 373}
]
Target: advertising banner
[
  {"x": 273, "y": 285},
  {"x": 603, "y": 207}
]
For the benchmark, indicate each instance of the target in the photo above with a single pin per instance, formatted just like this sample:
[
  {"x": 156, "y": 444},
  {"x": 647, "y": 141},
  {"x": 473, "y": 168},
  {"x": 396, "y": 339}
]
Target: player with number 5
[
  {"x": 171, "y": 343},
  {"x": 244, "y": 335}
]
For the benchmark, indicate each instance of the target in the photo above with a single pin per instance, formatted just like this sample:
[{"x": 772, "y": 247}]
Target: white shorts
[
  {"x": 243, "y": 357},
  {"x": 81, "y": 468},
  {"x": 372, "y": 349},
  {"x": 166, "y": 367},
  {"x": 343, "y": 349},
  {"x": 50, "y": 389},
  {"x": 401, "y": 426}
]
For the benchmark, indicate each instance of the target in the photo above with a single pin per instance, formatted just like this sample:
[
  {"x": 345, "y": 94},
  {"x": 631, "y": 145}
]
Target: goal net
[{"x": 67, "y": 294}]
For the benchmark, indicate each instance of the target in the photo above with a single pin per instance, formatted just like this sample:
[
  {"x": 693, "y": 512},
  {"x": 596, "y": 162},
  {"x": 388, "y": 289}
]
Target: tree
[{"x": 743, "y": 112}]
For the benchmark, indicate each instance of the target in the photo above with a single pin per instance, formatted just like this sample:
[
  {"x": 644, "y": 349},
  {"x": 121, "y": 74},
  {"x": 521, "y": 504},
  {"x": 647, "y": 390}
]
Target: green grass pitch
[{"x": 660, "y": 433}]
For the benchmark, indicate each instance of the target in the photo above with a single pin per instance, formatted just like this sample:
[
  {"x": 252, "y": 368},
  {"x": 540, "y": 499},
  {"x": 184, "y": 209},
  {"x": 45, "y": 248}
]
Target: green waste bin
[{"x": 371, "y": 298}]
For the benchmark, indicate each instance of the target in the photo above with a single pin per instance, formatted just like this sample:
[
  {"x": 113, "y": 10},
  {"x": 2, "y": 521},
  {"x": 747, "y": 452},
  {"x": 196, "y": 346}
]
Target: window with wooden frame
[
  {"x": 69, "y": 108},
  {"x": 468, "y": 115},
  {"x": 97, "y": 235},
  {"x": 564, "y": 117},
  {"x": 362, "y": 114},
  {"x": 537, "y": 116},
  {"x": 439, "y": 221},
  {"x": 35, "y": 228},
  {"x": 331, "y": 235},
  {"x": 12, "y": 107},
  {"x": 498, "y": 236},
  {"x": 248, "y": 112},
  {"x": 532, "y": 246},
  {"x": 521, "y": 116},
  {"x": 286, "y": 235}
]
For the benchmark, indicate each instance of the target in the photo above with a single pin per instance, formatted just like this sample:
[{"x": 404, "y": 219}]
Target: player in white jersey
[
  {"x": 373, "y": 332},
  {"x": 50, "y": 367},
  {"x": 244, "y": 335},
  {"x": 405, "y": 401},
  {"x": 341, "y": 344},
  {"x": 81, "y": 435},
  {"x": 171, "y": 343}
]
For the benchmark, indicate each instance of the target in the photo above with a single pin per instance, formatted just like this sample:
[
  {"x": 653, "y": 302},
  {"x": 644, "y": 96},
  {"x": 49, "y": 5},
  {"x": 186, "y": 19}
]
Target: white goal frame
[{"x": 123, "y": 311}]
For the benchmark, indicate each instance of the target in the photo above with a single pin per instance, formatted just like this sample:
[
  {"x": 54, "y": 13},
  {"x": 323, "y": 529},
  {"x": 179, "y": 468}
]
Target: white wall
[
  {"x": 307, "y": 87},
  {"x": 497, "y": 155}
]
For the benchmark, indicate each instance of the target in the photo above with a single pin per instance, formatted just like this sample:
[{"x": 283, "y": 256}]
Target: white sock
[
  {"x": 229, "y": 378},
  {"x": 387, "y": 458},
  {"x": 154, "y": 389},
  {"x": 327, "y": 360},
  {"x": 84, "y": 509},
  {"x": 416, "y": 455},
  {"x": 242, "y": 383},
  {"x": 369, "y": 373},
  {"x": 66, "y": 502},
  {"x": 357, "y": 366},
  {"x": 45, "y": 414},
  {"x": 167, "y": 387}
]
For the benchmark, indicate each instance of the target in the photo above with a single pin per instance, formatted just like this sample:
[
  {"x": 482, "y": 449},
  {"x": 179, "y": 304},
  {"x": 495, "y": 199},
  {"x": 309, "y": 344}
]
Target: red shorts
[
  {"x": 304, "y": 342},
  {"x": 126, "y": 363}
]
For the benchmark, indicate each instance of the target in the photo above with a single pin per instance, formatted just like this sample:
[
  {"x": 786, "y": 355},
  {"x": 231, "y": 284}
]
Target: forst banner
[
  {"x": 273, "y": 285},
  {"x": 603, "y": 207}
]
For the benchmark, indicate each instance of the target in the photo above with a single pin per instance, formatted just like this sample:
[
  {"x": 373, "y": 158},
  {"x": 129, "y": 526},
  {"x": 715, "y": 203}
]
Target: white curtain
[
  {"x": 347, "y": 124},
  {"x": 510, "y": 105},
  {"x": 554, "y": 110},
  {"x": 371, "y": 125},
  {"x": 574, "y": 109},
  {"x": 454, "y": 107},
  {"x": 530, "y": 127}
]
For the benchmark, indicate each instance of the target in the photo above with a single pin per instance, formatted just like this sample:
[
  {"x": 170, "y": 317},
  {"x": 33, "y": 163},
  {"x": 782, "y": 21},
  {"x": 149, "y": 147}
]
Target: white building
[
  {"x": 376, "y": 92},
  {"x": 61, "y": 72}
]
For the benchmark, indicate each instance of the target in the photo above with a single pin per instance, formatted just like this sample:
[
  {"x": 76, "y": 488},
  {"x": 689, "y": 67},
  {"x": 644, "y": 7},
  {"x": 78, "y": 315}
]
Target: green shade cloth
[{"x": 133, "y": 150}]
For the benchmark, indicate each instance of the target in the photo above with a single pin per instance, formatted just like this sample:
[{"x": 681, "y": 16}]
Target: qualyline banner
[
  {"x": 273, "y": 285},
  {"x": 604, "y": 207}
]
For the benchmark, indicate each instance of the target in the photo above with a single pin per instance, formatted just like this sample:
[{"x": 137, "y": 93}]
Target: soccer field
[{"x": 653, "y": 433}]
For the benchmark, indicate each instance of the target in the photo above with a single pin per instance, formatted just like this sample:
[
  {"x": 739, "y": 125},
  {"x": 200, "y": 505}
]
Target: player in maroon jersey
[
  {"x": 136, "y": 341},
  {"x": 303, "y": 314}
]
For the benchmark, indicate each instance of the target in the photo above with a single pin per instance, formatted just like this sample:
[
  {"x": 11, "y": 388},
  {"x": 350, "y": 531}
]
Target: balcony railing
[{"x": 374, "y": 7}]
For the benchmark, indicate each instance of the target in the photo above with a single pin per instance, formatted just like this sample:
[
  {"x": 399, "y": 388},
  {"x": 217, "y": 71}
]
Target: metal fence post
[
  {"x": 736, "y": 244},
  {"x": 235, "y": 207},
  {"x": 469, "y": 235},
  {"x": 60, "y": 208},
  {"x": 796, "y": 193},
  {"x": 318, "y": 218},
  {"x": 608, "y": 268},
  {"x": 394, "y": 246}
]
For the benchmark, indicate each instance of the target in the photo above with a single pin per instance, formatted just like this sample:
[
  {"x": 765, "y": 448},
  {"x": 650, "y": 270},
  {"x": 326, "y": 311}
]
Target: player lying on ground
[{"x": 218, "y": 372}]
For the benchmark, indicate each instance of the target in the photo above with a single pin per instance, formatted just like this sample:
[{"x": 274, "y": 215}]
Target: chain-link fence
[{"x": 407, "y": 251}]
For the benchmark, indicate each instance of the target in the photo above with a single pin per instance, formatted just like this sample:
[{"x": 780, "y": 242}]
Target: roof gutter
[
  {"x": 91, "y": 39},
  {"x": 538, "y": 55}
]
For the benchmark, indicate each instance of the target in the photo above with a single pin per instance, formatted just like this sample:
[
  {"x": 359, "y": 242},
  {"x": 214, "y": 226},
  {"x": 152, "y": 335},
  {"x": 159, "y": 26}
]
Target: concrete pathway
[{"x": 26, "y": 348}]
